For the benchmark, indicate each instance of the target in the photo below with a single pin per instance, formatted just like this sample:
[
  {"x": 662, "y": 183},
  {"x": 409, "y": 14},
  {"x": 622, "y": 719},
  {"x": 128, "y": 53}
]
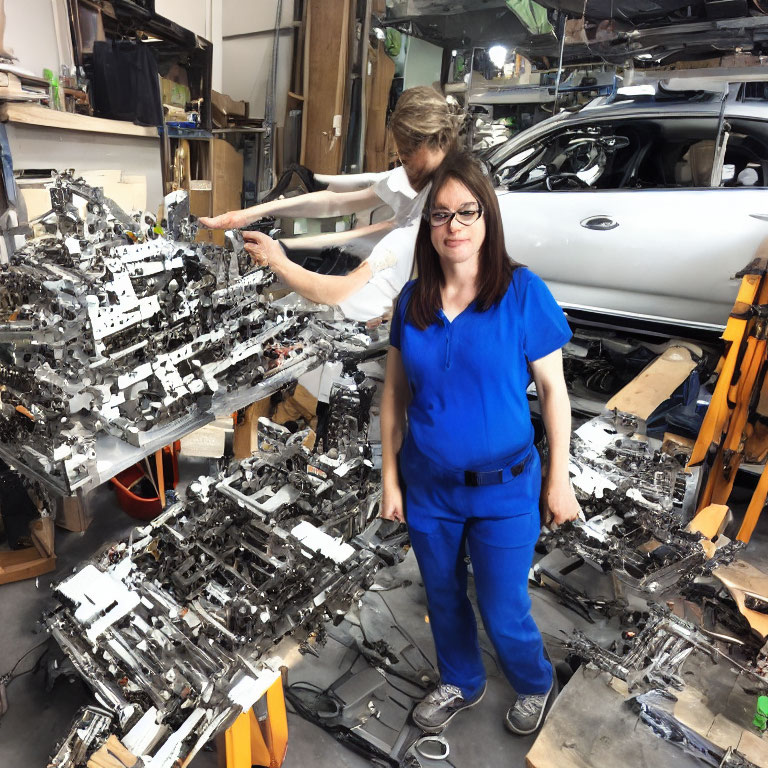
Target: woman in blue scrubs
[{"x": 466, "y": 338}]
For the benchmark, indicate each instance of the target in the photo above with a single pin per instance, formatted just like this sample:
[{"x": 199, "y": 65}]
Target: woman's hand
[
  {"x": 392, "y": 503},
  {"x": 560, "y": 504},
  {"x": 265, "y": 251},
  {"x": 229, "y": 220}
]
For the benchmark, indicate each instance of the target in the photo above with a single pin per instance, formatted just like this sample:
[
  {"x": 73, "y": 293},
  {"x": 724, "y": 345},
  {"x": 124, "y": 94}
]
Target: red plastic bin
[{"x": 140, "y": 507}]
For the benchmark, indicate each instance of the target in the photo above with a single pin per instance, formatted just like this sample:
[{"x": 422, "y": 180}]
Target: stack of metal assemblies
[
  {"x": 172, "y": 629},
  {"x": 654, "y": 656},
  {"x": 637, "y": 503},
  {"x": 109, "y": 323},
  {"x": 670, "y": 661}
]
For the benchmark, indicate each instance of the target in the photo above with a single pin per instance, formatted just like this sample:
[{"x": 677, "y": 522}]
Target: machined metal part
[
  {"x": 655, "y": 710},
  {"x": 656, "y": 653},
  {"x": 636, "y": 507}
]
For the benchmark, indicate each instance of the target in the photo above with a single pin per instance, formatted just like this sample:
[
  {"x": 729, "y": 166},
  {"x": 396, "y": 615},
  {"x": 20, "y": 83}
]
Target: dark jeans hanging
[{"x": 124, "y": 84}]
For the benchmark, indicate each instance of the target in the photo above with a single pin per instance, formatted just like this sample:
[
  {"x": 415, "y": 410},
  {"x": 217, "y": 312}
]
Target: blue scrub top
[{"x": 468, "y": 377}]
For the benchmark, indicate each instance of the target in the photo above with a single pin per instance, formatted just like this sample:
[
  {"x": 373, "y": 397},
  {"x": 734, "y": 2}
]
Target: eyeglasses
[{"x": 466, "y": 216}]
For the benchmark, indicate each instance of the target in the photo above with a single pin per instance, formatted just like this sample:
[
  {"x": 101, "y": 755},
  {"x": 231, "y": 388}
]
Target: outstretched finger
[{"x": 216, "y": 222}]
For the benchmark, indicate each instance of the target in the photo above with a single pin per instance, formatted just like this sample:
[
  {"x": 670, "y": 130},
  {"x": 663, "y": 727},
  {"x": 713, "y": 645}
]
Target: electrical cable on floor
[
  {"x": 302, "y": 707},
  {"x": 342, "y": 735},
  {"x": 387, "y": 672},
  {"x": 9, "y": 676},
  {"x": 405, "y": 633}
]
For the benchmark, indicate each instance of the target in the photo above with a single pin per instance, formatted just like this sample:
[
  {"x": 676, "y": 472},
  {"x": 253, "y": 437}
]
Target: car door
[{"x": 664, "y": 254}]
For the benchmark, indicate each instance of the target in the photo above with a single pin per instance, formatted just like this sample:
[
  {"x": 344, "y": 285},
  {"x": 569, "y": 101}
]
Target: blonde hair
[{"x": 423, "y": 117}]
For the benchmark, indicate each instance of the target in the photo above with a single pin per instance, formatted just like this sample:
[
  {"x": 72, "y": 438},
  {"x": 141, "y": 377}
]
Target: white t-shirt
[
  {"x": 377, "y": 296},
  {"x": 395, "y": 190}
]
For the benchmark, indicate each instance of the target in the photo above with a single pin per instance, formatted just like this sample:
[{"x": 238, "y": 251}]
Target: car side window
[
  {"x": 746, "y": 154},
  {"x": 581, "y": 158}
]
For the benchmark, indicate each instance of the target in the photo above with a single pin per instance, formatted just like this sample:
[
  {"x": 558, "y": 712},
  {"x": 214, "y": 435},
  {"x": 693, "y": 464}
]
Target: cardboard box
[
  {"x": 575, "y": 32},
  {"x": 173, "y": 93},
  {"x": 72, "y": 514},
  {"x": 223, "y": 107},
  {"x": 245, "y": 439},
  {"x": 227, "y": 177},
  {"x": 208, "y": 441}
]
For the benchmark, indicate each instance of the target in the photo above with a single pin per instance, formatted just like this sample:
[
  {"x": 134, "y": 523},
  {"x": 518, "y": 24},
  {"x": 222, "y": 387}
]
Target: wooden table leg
[{"x": 160, "y": 477}]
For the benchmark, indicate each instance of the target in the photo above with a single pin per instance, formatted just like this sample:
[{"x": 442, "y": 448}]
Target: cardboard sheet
[{"x": 742, "y": 579}]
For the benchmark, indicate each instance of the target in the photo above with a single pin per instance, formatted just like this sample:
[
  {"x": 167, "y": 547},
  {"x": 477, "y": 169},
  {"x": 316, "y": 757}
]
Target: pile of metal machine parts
[
  {"x": 117, "y": 325},
  {"x": 667, "y": 604},
  {"x": 173, "y": 628},
  {"x": 125, "y": 327}
]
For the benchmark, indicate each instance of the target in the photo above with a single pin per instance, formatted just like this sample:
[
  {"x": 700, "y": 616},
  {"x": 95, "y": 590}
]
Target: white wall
[
  {"x": 203, "y": 17},
  {"x": 242, "y": 33},
  {"x": 248, "y": 38},
  {"x": 30, "y": 34},
  {"x": 245, "y": 17},
  {"x": 190, "y": 14}
]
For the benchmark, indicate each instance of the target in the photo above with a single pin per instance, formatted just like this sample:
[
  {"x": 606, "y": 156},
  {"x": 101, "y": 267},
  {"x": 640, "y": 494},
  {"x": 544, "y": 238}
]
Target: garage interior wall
[
  {"x": 242, "y": 33},
  {"x": 203, "y": 17},
  {"x": 248, "y": 35},
  {"x": 30, "y": 34}
]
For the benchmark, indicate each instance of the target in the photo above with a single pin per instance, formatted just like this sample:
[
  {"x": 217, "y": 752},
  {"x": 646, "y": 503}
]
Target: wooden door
[{"x": 325, "y": 76}]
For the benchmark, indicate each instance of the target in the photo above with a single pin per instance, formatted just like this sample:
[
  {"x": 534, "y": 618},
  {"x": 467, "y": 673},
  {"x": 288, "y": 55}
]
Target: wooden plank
[
  {"x": 654, "y": 384},
  {"x": 326, "y": 60},
  {"x": 33, "y": 114},
  {"x": 754, "y": 747},
  {"x": 305, "y": 81},
  {"x": 299, "y": 51},
  {"x": 41, "y": 531},
  {"x": 375, "y": 157},
  {"x": 23, "y": 564}
]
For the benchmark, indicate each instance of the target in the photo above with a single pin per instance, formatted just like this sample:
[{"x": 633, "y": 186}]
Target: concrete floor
[{"x": 37, "y": 720}]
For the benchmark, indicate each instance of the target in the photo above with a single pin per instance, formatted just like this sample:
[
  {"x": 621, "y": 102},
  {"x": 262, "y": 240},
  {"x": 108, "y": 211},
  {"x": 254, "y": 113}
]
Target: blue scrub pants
[{"x": 500, "y": 523}]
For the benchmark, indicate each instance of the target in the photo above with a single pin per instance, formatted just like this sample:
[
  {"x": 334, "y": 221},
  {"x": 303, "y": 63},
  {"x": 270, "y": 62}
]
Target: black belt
[{"x": 494, "y": 476}]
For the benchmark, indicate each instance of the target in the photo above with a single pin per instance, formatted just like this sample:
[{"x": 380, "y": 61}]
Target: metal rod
[{"x": 560, "y": 62}]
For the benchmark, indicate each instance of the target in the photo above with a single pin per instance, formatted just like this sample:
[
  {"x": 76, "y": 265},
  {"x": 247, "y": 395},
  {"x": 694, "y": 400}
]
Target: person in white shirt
[{"x": 424, "y": 128}]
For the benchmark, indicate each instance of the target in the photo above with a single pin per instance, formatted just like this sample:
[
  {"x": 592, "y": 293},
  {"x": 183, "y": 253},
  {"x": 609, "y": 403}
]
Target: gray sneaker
[
  {"x": 438, "y": 708},
  {"x": 527, "y": 713}
]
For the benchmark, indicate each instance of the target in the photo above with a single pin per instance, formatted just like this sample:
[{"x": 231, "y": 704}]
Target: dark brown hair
[
  {"x": 496, "y": 267},
  {"x": 423, "y": 117}
]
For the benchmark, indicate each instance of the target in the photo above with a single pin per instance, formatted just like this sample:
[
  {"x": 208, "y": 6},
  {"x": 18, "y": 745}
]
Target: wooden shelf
[{"x": 32, "y": 114}]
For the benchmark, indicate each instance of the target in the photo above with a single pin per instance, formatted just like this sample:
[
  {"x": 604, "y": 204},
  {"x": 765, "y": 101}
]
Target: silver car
[{"x": 641, "y": 208}]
